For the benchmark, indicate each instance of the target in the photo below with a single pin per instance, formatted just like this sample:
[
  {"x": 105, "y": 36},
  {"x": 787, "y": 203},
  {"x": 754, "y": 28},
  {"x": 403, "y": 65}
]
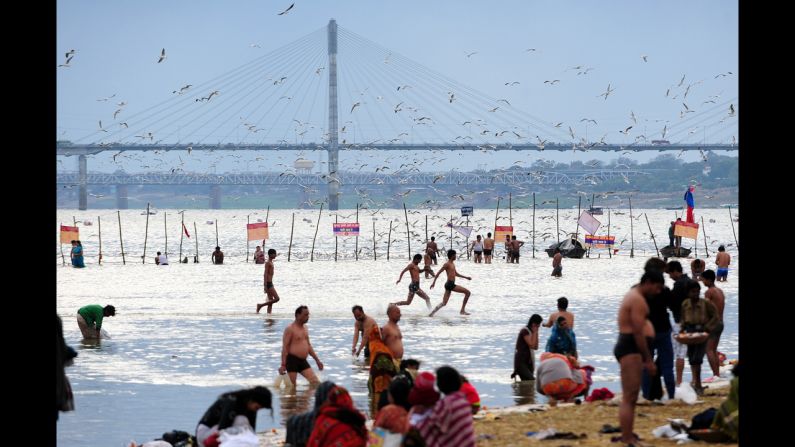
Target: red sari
[{"x": 338, "y": 423}]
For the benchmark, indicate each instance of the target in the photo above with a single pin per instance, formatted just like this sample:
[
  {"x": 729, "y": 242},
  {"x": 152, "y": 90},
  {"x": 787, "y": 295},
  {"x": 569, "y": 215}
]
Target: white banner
[{"x": 589, "y": 222}]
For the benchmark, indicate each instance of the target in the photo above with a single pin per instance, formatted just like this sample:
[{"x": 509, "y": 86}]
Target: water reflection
[
  {"x": 295, "y": 401},
  {"x": 524, "y": 392}
]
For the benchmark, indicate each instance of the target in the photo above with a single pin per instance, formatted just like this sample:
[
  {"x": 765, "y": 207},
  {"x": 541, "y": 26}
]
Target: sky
[{"x": 468, "y": 49}]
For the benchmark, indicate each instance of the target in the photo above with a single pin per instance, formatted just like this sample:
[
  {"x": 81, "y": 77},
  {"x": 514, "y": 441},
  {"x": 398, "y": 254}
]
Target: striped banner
[
  {"x": 257, "y": 231},
  {"x": 69, "y": 234},
  {"x": 501, "y": 232}
]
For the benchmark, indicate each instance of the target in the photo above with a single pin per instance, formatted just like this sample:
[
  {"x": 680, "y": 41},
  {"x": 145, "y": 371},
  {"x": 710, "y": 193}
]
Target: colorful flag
[
  {"x": 501, "y": 232},
  {"x": 464, "y": 230},
  {"x": 257, "y": 231},
  {"x": 185, "y": 230},
  {"x": 69, "y": 234},
  {"x": 588, "y": 222},
  {"x": 599, "y": 241},
  {"x": 686, "y": 229},
  {"x": 346, "y": 229}
]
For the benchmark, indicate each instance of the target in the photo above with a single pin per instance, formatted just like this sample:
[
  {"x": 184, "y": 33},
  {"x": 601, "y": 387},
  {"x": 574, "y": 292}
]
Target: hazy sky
[{"x": 117, "y": 45}]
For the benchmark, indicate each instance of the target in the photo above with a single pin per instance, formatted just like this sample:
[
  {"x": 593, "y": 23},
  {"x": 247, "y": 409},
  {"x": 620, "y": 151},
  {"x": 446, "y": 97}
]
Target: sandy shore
[{"x": 496, "y": 427}]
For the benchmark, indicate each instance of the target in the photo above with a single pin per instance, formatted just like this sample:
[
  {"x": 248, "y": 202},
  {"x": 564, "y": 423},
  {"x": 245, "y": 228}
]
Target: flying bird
[
  {"x": 286, "y": 10},
  {"x": 607, "y": 93},
  {"x": 162, "y": 56},
  {"x": 643, "y": 56},
  {"x": 355, "y": 105},
  {"x": 552, "y": 82},
  {"x": 472, "y": 54}
]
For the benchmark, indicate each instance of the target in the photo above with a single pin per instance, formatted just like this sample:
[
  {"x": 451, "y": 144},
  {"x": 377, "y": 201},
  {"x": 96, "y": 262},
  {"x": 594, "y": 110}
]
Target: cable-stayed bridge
[{"x": 333, "y": 90}]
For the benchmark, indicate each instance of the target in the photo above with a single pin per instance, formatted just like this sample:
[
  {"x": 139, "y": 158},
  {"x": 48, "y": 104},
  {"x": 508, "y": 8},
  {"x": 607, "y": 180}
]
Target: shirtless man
[
  {"x": 427, "y": 264},
  {"x": 270, "y": 291},
  {"x": 296, "y": 347},
  {"x": 508, "y": 249},
  {"x": 450, "y": 286},
  {"x": 515, "y": 246},
  {"x": 557, "y": 268},
  {"x": 217, "y": 256},
  {"x": 722, "y": 260},
  {"x": 432, "y": 249},
  {"x": 716, "y": 296},
  {"x": 364, "y": 323},
  {"x": 488, "y": 248},
  {"x": 563, "y": 304},
  {"x": 414, "y": 287},
  {"x": 632, "y": 348},
  {"x": 390, "y": 333}
]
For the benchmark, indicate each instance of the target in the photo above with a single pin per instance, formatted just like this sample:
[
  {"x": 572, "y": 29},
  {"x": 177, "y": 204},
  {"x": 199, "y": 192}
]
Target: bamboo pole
[
  {"x": 290, "y": 247},
  {"x": 695, "y": 245},
  {"x": 165, "y": 229},
  {"x": 557, "y": 217},
  {"x": 99, "y": 228},
  {"x": 631, "y": 230},
  {"x": 534, "y": 225},
  {"x": 317, "y": 227},
  {"x": 610, "y": 249},
  {"x": 496, "y": 216},
  {"x": 704, "y": 230},
  {"x": 336, "y": 219},
  {"x": 736, "y": 244},
  {"x": 63, "y": 259},
  {"x": 389, "y": 240},
  {"x": 356, "y": 247},
  {"x": 510, "y": 210},
  {"x": 121, "y": 241},
  {"x": 466, "y": 246},
  {"x": 579, "y": 210},
  {"x": 216, "y": 234},
  {"x": 408, "y": 237},
  {"x": 451, "y": 232},
  {"x": 74, "y": 221},
  {"x": 248, "y": 221},
  {"x": 374, "y": 255},
  {"x": 426, "y": 229},
  {"x": 181, "y": 235},
  {"x": 267, "y": 213},
  {"x": 196, "y": 235},
  {"x": 146, "y": 234},
  {"x": 652, "y": 234}
]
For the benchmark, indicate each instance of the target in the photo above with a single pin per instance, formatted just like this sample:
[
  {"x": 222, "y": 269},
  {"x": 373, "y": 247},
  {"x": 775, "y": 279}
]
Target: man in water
[
  {"x": 508, "y": 249},
  {"x": 697, "y": 267},
  {"x": 450, "y": 286},
  {"x": 161, "y": 259},
  {"x": 218, "y": 256},
  {"x": 671, "y": 233},
  {"x": 432, "y": 248},
  {"x": 364, "y": 323},
  {"x": 393, "y": 338},
  {"x": 678, "y": 239},
  {"x": 296, "y": 347},
  {"x": 259, "y": 256},
  {"x": 515, "y": 246},
  {"x": 270, "y": 291},
  {"x": 563, "y": 304},
  {"x": 716, "y": 297},
  {"x": 414, "y": 287},
  {"x": 427, "y": 264},
  {"x": 488, "y": 248},
  {"x": 89, "y": 319},
  {"x": 722, "y": 260},
  {"x": 557, "y": 266},
  {"x": 635, "y": 334}
]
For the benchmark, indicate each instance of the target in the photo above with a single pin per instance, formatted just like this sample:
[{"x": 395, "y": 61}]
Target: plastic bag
[
  {"x": 686, "y": 393},
  {"x": 104, "y": 334},
  {"x": 283, "y": 379}
]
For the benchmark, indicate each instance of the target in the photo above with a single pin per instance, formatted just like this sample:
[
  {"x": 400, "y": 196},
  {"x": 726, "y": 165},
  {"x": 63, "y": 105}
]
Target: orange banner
[
  {"x": 257, "y": 231},
  {"x": 69, "y": 234},
  {"x": 501, "y": 232},
  {"x": 686, "y": 229}
]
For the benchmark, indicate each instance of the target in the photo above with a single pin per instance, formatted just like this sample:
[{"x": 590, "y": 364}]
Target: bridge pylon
[{"x": 333, "y": 184}]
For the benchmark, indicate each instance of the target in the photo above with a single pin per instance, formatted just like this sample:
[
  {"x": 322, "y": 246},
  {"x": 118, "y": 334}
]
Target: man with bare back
[
  {"x": 563, "y": 304},
  {"x": 432, "y": 249},
  {"x": 270, "y": 291},
  {"x": 635, "y": 335},
  {"x": 414, "y": 287},
  {"x": 427, "y": 264},
  {"x": 722, "y": 260},
  {"x": 488, "y": 248},
  {"x": 557, "y": 266},
  {"x": 450, "y": 286},
  {"x": 364, "y": 323},
  {"x": 716, "y": 296},
  {"x": 393, "y": 338},
  {"x": 296, "y": 347}
]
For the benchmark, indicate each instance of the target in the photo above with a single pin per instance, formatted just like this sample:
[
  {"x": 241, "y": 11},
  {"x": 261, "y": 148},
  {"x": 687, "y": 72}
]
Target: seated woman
[
  {"x": 233, "y": 409},
  {"x": 338, "y": 423},
  {"x": 560, "y": 377},
  {"x": 394, "y": 416}
]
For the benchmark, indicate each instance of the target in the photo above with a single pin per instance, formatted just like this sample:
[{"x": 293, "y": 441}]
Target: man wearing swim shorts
[
  {"x": 722, "y": 260},
  {"x": 414, "y": 287},
  {"x": 296, "y": 347},
  {"x": 432, "y": 248},
  {"x": 270, "y": 291},
  {"x": 488, "y": 248},
  {"x": 450, "y": 286}
]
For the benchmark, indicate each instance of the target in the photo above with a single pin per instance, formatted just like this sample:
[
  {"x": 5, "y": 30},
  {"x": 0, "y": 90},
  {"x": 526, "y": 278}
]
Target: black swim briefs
[
  {"x": 487, "y": 251},
  {"x": 269, "y": 285},
  {"x": 414, "y": 286},
  {"x": 626, "y": 345},
  {"x": 296, "y": 364},
  {"x": 449, "y": 285}
]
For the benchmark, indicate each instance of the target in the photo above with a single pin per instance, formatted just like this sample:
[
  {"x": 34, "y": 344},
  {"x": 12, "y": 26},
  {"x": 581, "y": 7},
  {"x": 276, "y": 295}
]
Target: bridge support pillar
[
  {"x": 215, "y": 197},
  {"x": 333, "y": 181},
  {"x": 121, "y": 197},
  {"x": 333, "y": 150},
  {"x": 82, "y": 167}
]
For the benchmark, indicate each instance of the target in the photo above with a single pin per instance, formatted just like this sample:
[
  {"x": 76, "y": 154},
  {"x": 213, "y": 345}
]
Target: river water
[{"x": 185, "y": 333}]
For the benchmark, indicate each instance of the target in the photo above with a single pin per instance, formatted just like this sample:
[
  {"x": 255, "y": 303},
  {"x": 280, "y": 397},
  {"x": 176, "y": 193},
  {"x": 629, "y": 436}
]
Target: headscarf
[
  {"x": 328, "y": 431},
  {"x": 423, "y": 392},
  {"x": 393, "y": 418},
  {"x": 300, "y": 426}
]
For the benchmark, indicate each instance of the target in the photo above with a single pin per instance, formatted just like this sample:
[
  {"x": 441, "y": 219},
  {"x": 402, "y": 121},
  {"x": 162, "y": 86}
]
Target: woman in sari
[
  {"x": 382, "y": 367},
  {"x": 338, "y": 423}
]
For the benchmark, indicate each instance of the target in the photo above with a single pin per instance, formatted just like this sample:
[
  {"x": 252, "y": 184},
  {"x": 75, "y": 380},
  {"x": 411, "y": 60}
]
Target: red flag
[{"x": 186, "y": 230}]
